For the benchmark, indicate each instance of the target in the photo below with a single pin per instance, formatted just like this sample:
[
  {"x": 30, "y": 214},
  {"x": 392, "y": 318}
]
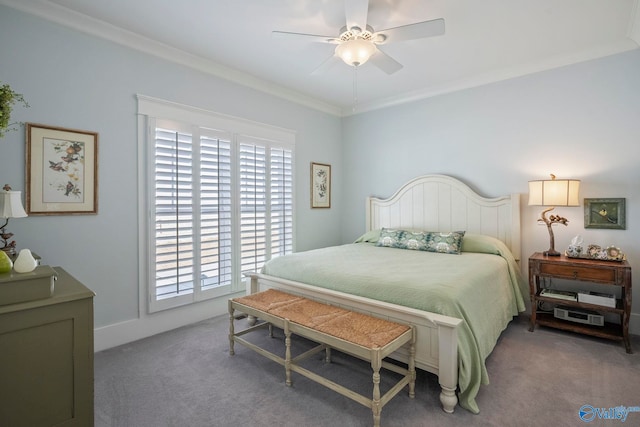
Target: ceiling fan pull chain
[{"x": 355, "y": 88}]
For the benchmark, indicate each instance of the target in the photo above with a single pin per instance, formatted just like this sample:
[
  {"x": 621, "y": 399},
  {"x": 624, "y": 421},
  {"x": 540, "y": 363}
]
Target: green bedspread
[{"x": 483, "y": 289}]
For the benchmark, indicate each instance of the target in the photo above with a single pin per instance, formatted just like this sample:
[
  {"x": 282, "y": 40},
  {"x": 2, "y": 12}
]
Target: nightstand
[{"x": 606, "y": 273}]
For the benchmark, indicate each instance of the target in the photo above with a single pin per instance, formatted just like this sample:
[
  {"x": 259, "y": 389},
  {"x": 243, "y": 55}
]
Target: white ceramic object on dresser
[{"x": 25, "y": 262}]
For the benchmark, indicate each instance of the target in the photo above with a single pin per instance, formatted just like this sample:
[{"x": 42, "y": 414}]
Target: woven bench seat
[{"x": 367, "y": 337}]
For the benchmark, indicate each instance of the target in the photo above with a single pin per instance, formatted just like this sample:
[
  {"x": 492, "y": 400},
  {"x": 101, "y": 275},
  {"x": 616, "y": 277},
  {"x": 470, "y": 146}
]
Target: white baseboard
[{"x": 151, "y": 324}]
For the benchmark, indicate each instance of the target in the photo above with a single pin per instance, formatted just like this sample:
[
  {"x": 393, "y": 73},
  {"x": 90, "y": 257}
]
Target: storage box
[
  {"x": 21, "y": 287},
  {"x": 598, "y": 298}
]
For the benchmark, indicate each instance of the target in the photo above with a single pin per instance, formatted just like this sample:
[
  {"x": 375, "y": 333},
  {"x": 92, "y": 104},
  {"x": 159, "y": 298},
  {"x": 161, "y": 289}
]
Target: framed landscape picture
[
  {"x": 605, "y": 213},
  {"x": 61, "y": 171},
  {"x": 320, "y": 185}
]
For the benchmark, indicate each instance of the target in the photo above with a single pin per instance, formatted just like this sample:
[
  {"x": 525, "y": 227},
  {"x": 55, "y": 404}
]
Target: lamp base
[{"x": 554, "y": 219}]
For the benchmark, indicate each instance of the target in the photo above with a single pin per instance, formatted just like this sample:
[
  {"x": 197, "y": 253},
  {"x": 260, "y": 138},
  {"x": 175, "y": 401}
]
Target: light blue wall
[
  {"x": 580, "y": 121},
  {"x": 77, "y": 81}
]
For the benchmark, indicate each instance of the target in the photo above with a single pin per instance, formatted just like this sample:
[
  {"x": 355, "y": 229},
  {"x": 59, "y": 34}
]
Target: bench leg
[
  {"x": 376, "y": 364},
  {"x": 287, "y": 353},
  {"x": 412, "y": 366},
  {"x": 231, "y": 330},
  {"x": 327, "y": 355}
]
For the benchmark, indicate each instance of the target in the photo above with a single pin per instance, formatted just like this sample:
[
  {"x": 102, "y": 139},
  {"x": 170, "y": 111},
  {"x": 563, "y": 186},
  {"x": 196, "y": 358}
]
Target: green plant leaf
[{"x": 8, "y": 98}]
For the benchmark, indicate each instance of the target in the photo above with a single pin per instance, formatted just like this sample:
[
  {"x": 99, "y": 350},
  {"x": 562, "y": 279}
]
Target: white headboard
[{"x": 442, "y": 203}]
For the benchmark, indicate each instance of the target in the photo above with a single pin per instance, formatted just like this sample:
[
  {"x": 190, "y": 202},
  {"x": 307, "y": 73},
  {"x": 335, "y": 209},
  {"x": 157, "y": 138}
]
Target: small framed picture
[
  {"x": 320, "y": 185},
  {"x": 605, "y": 213},
  {"x": 61, "y": 171}
]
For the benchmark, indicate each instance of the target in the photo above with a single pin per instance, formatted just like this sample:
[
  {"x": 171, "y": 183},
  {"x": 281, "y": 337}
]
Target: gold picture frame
[
  {"x": 320, "y": 185},
  {"x": 61, "y": 171}
]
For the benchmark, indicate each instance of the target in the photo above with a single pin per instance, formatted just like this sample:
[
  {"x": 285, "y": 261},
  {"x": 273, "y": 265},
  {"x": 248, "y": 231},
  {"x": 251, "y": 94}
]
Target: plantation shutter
[
  {"x": 173, "y": 213},
  {"x": 281, "y": 202},
  {"x": 219, "y": 201},
  {"x": 253, "y": 206},
  {"x": 215, "y": 213}
]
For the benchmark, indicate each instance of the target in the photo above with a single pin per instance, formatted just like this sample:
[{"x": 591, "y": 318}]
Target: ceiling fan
[{"x": 358, "y": 42}]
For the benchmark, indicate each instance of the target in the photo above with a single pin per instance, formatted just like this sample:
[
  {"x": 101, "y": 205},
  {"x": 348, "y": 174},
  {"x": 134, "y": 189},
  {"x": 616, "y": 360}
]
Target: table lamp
[
  {"x": 553, "y": 192},
  {"x": 10, "y": 207}
]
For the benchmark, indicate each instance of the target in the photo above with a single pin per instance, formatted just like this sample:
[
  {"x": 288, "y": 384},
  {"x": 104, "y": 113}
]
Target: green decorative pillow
[
  {"x": 446, "y": 243},
  {"x": 402, "y": 239},
  {"x": 430, "y": 241},
  {"x": 483, "y": 244}
]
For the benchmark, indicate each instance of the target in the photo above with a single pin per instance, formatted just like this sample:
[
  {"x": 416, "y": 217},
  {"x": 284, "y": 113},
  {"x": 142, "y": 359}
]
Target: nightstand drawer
[{"x": 578, "y": 273}]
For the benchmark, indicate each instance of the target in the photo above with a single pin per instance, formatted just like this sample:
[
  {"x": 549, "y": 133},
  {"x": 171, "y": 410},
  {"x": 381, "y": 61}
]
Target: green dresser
[{"x": 46, "y": 358}]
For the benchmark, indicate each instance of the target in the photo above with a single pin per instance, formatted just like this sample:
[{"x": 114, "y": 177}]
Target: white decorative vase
[{"x": 25, "y": 262}]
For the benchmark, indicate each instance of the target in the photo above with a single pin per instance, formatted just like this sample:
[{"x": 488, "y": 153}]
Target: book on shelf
[
  {"x": 598, "y": 298},
  {"x": 558, "y": 294}
]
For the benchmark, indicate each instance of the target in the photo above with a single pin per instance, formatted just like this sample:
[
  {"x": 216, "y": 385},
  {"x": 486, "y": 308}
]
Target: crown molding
[
  {"x": 634, "y": 23},
  {"x": 498, "y": 75},
  {"x": 83, "y": 23}
]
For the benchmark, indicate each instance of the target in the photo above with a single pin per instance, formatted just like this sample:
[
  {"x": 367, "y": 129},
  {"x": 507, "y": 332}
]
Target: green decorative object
[
  {"x": 7, "y": 99},
  {"x": 5, "y": 263}
]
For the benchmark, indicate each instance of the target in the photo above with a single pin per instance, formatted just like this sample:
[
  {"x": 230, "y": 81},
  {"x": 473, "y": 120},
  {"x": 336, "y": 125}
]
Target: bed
[{"x": 459, "y": 296}]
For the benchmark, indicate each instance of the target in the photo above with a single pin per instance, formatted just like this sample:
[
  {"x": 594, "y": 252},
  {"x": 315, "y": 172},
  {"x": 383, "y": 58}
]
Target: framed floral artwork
[
  {"x": 605, "y": 213},
  {"x": 320, "y": 185},
  {"x": 61, "y": 171}
]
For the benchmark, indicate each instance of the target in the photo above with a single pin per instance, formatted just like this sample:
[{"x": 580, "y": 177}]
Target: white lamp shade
[
  {"x": 355, "y": 52},
  {"x": 554, "y": 192},
  {"x": 11, "y": 205}
]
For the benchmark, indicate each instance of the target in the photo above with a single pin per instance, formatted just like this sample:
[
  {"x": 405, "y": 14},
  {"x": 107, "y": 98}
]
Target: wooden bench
[{"x": 360, "y": 335}]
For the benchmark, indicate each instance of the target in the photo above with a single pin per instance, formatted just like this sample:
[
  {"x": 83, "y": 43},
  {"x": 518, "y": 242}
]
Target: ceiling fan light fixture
[{"x": 355, "y": 52}]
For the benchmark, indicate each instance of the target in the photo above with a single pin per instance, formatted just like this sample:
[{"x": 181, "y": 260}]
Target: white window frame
[{"x": 189, "y": 118}]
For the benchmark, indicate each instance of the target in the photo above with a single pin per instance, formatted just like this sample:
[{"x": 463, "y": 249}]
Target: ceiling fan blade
[
  {"x": 326, "y": 65},
  {"x": 356, "y": 13},
  {"x": 385, "y": 62},
  {"x": 308, "y": 37},
  {"x": 418, "y": 30}
]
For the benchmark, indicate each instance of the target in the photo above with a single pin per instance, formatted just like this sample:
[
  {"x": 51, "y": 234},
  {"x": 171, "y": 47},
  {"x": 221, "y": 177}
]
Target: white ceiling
[{"x": 485, "y": 41}]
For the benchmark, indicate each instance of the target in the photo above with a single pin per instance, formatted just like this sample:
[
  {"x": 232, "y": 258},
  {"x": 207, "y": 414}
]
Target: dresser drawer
[{"x": 579, "y": 273}]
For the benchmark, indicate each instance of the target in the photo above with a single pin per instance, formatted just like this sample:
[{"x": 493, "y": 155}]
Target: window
[{"x": 219, "y": 201}]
